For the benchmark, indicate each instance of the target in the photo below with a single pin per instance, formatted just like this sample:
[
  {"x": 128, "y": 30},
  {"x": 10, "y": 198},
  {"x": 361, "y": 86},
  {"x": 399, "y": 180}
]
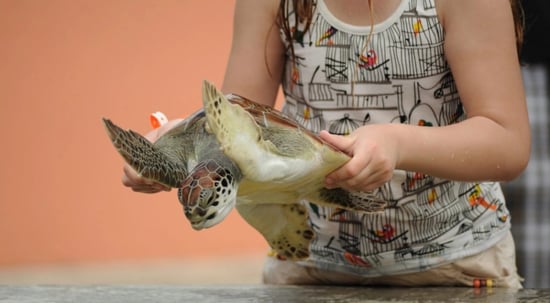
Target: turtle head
[{"x": 208, "y": 194}]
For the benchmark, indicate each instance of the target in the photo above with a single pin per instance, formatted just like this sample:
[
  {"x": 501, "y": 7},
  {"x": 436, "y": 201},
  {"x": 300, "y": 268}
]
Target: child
[{"x": 427, "y": 98}]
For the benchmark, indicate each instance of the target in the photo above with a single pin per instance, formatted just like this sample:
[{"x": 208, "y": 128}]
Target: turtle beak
[
  {"x": 201, "y": 218},
  {"x": 195, "y": 215},
  {"x": 198, "y": 211},
  {"x": 197, "y": 224}
]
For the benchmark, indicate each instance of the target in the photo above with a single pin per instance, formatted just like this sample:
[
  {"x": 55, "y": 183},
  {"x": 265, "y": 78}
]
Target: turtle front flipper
[
  {"x": 251, "y": 146},
  {"x": 284, "y": 227},
  {"x": 239, "y": 136},
  {"x": 144, "y": 157}
]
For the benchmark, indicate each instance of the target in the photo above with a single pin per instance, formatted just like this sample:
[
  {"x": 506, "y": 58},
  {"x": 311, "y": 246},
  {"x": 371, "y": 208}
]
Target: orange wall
[{"x": 64, "y": 64}]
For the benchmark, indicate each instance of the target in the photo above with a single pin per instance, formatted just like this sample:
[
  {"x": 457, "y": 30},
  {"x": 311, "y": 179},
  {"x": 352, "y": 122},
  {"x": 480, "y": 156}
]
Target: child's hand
[
  {"x": 130, "y": 177},
  {"x": 374, "y": 157}
]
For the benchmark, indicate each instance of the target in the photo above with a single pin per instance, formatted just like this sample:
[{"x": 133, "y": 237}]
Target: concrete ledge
[{"x": 260, "y": 293}]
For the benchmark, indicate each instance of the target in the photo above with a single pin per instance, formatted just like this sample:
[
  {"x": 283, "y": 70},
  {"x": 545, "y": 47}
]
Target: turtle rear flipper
[
  {"x": 144, "y": 157},
  {"x": 283, "y": 226},
  {"x": 366, "y": 202}
]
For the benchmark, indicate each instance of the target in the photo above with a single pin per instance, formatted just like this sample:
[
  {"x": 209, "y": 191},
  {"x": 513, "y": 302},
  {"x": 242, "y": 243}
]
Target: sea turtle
[{"x": 240, "y": 153}]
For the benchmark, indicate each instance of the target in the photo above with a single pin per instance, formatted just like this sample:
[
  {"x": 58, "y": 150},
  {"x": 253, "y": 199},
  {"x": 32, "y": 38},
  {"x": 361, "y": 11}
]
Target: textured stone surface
[{"x": 260, "y": 293}]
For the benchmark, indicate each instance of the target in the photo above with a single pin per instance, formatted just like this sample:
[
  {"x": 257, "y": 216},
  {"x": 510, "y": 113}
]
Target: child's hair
[
  {"x": 519, "y": 21},
  {"x": 304, "y": 15}
]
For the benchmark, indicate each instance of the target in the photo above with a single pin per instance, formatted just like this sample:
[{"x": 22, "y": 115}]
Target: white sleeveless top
[{"x": 401, "y": 77}]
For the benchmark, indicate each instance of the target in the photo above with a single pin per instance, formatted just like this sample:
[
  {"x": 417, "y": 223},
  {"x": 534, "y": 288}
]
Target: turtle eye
[{"x": 206, "y": 196}]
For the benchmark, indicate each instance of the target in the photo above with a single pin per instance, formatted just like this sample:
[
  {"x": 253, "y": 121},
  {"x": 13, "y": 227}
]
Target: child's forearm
[{"x": 473, "y": 150}]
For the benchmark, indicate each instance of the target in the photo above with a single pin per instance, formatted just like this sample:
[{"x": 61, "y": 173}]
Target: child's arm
[{"x": 492, "y": 144}]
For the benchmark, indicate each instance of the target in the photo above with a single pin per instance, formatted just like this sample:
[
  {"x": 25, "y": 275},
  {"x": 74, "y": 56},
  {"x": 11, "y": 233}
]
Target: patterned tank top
[{"x": 401, "y": 76}]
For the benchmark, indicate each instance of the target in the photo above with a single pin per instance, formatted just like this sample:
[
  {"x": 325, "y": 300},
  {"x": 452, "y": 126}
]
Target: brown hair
[
  {"x": 304, "y": 15},
  {"x": 519, "y": 21}
]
